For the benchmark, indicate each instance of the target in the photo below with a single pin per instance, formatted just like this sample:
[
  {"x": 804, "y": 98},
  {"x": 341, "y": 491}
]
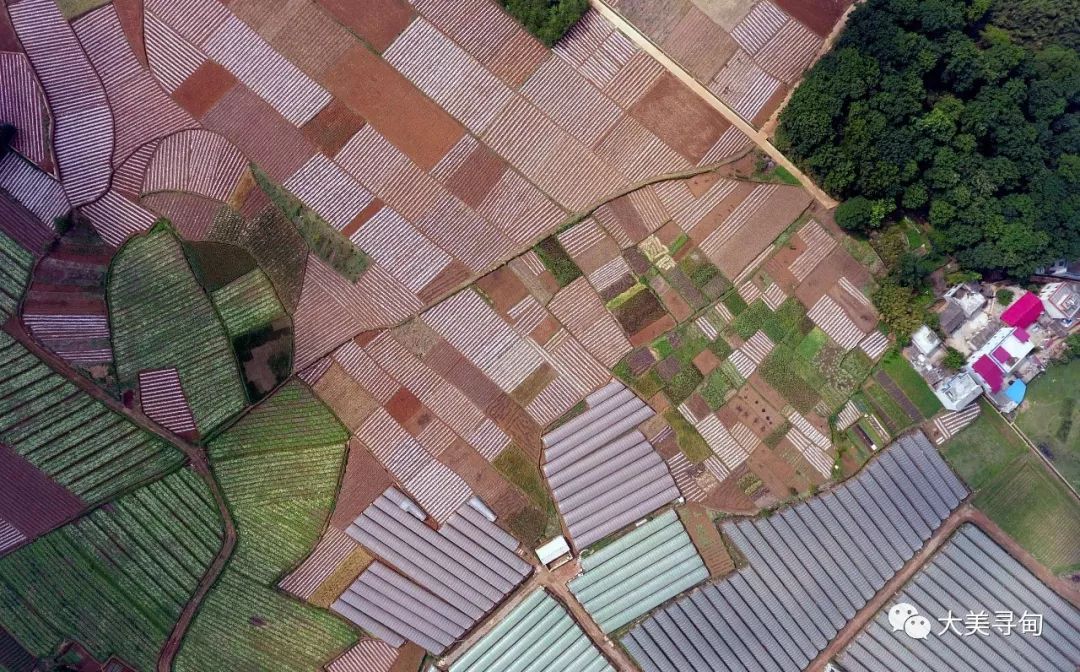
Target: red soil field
[
  {"x": 377, "y": 22},
  {"x": 771, "y": 106},
  {"x": 361, "y": 217},
  {"x": 474, "y": 180},
  {"x": 778, "y": 265},
  {"x": 448, "y": 279},
  {"x": 71, "y": 278},
  {"x": 397, "y": 109},
  {"x": 503, "y": 288},
  {"x": 332, "y": 127},
  {"x": 838, "y": 264},
  {"x": 23, "y": 226},
  {"x": 30, "y": 500},
  {"x": 204, "y": 88},
  {"x": 8, "y": 39},
  {"x": 364, "y": 480},
  {"x": 728, "y": 497},
  {"x": 819, "y": 15},
  {"x": 680, "y": 118},
  {"x": 130, "y": 13}
]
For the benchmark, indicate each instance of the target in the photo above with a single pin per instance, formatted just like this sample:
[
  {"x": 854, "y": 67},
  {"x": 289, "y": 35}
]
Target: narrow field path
[
  {"x": 195, "y": 455},
  {"x": 760, "y": 138}
]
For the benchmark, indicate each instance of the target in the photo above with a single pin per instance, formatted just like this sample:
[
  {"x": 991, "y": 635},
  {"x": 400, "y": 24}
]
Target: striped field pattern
[
  {"x": 714, "y": 243},
  {"x": 142, "y": 111},
  {"x": 197, "y": 162},
  {"x": 689, "y": 216},
  {"x": 439, "y": 490},
  {"x": 681, "y": 468},
  {"x": 810, "y": 442},
  {"x": 10, "y": 536},
  {"x": 744, "y": 85},
  {"x": 580, "y": 308},
  {"x": 564, "y": 95},
  {"x": 116, "y": 217},
  {"x": 162, "y": 399},
  {"x": 82, "y": 120},
  {"x": 60, "y": 332},
  {"x": 758, "y": 27},
  {"x": 395, "y": 448},
  {"x": 610, "y": 273},
  {"x": 397, "y": 245},
  {"x": 581, "y": 237},
  {"x": 707, "y": 328},
  {"x": 22, "y": 104},
  {"x": 328, "y": 190},
  {"x": 818, "y": 246},
  {"x": 949, "y": 424},
  {"x": 875, "y": 344},
  {"x": 329, "y": 553},
  {"x": 365, "y": 371},
  {"x": 369, "y": 655},
  {"x": 789, "y": 52},
  {"x": 637, "y": 152},
  {"x": 848, "y": 415},
  {"x": 717, "y": 436},
  {"x": 633, "y": 79},
  {"x": 731, "y": 142},
  {"x": 774, "y": 296},
  {"x": 39, "y": 192},
  {"x": 831, "y": 318},
  {"x": 172, "y": 58}
]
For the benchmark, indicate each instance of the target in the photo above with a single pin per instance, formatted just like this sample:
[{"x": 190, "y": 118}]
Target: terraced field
[
  {"x": 279, "y": 469},
  {"x": 116, "y": 579},
  {"x": 73, "y": 438},
  {"x": 162, "y": 318},
  {"x": 247, "y": 303}
]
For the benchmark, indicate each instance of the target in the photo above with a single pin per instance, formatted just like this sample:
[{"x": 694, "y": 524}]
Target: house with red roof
[
  {"x": 1023, "y": 312},
  {"x": 996, "y": 363}
]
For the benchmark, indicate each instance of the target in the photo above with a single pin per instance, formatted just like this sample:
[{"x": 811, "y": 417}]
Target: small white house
[
  {"x": 956, "y": 392},
  {"x": 926, "y": 341},
  {"x": 553, "y": 551}
]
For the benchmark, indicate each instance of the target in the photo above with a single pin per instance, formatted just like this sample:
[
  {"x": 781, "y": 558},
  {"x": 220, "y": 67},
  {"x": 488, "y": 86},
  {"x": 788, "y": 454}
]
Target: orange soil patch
[
  {"x": 377, "y": 22},
  {"x": 767, "y": 392},
  {"x": 349, "y": 401},
  {"x": 804, "y": 475},
  {"x": 777, "y": 213},
  {"x": 397, "y": 109},
  {"x": 409, "y": 658},
  {"x": 777, "y": 475},
  {"x": 484, "y": 479},
  {"x": 680, "y": 118},
  {"x": 204, "y": 88},
  {"x": 706, "y": 362},
  {"x": 667, "y": 233},
  {"x": 365, "y": 479},
  {"x": 818, "y": 15},
  {"x": 404, "y": 407},
  {"x": 545, "y": 330},
  {"x": 673, "y": 302},
  {"x": 445, "y": 360},
  {"x": 363, "y": 216},
  {"x": 838, "y": 264},
  {"x": 752, "y": 410},
  {"x": 779, "y": 264},
  {"x": 475, "y": 178},
  {"x": 652, "y": 331},
  {"x": 861, "y": 313},
  {"x": 707, "y": 539},
  {"x": 503, "y": 288},
  {"x": 332, "y": 127},
  {"x": 771, "y": 105},
  {"x": 130, "y": 13},
  {"x": 727, "y": 496}
]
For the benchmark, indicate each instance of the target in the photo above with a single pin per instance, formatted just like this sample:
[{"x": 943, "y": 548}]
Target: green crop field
[
  {"x": 911, "y": 383},
  {"x": 15, "y": 266},
  {"x": 245, "y": 625},
  {"x": 161, "y": 317},
  {"x": 117, "y": 579},
  {"x": 73, "y": 438},
  {"x": 279, "y": 469},
  {"x": 247, "y": 303},
  {"x": 1051, "y": 417}
]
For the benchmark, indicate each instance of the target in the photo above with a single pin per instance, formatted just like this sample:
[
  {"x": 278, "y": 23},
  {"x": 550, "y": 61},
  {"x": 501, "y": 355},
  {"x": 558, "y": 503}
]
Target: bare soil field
[
  {"x": 680, "y": 118},
  {"x": 656, "y": 18},
  {"x": 476, "y": 177},
  {"x": 377, "y": 22},
  {"x": 30, "y": 500},
  {"x": 332, "y": 127},
  {"x": 727, "y": 13},
  {"x": 699, "y": 45},
  {"x": 825, "y": 276},
  {"x": 752, "y": 410},
  {"x": 819, "y": 16},
  {"x": 192, "y": 215},
  {"x": 8, "y": 39},
  {"x": 398, "y": 110},
  {"x": 204, "y": 88},
  {"x": 775, "y": 215},
  {"x": 770, "y": 106},
  {"x": 351, "y": 403},
  {"x": 130, "y": 13},
  {"x": 363, "y": 482}
]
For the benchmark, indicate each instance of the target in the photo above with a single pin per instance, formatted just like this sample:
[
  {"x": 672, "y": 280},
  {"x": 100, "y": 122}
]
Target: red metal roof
[
  {"x": 989, "y": 371},
  {"x": 1024, "y": 312},
  {"x": 1002, "y": 355},
  {"x": 1021, "y": 335}
]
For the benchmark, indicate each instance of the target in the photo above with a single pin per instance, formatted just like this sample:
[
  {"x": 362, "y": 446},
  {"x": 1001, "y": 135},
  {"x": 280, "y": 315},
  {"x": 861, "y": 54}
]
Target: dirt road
[{"x": 760, "y": 138}]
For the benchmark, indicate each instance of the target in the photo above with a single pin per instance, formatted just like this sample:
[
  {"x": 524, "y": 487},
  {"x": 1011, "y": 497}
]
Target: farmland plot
[
  {"x": 72, "y": 438},
  {"x": 247, "y": 303},
  {"x": 15, "y": 265},
  {"x": 117, "y": 579},
  {"x": 279, "y": 469},
  {"x": 161, "y": 318}
]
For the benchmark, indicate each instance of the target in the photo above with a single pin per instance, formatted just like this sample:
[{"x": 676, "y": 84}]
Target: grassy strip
[
  {"x": 911, "y": 383},
  {"x": 1050, "y": 417},
  {"x": 690, "y": 441}
]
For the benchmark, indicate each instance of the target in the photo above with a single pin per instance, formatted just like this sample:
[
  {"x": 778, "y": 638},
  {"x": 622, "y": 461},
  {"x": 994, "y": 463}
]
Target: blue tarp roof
[{"x": 1016, "y": 391}]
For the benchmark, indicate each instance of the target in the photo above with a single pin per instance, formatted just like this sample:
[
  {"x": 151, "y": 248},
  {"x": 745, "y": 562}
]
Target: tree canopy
[
  {"x": 929, "y": 108},
  {"x": 547, "y": 20}
]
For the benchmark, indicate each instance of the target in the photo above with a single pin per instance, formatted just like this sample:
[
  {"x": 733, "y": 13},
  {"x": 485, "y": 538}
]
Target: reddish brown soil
[
  {"x": 655, "y": 18},
  {"x": 775, "y": 215},
  {"x": 192, "y": 215},
  {"x": 668, "y": 233},
  {"x": 377, "y": 22},
  {"x": 306, "y": 36},
  {"x": 364, "y": 215},
  {"x": 364, "y": 480},
  {"x": 450, "y": 278},
  {"x": 204, "y": 88},
  {"x": 707, "y": 539},
  {"x": 806, "y": 475},
  {"x": 259, "y": 132},
  {"x": 397, "y": 109},
  {"x": 332, "y": 127},
  {"x": 23, "y": 226},
  {"x": 517, "y": 423},
  {"x": 771, "y": 105},
  {"x": 130, "y": 13},
  {"x": 706, "y": 362},
  {"x": 404, "y": 406},
  {"x": 503, "y": 497},
  {"x": 777, "y": 475},
  {"x": 445, "y": 360},
  {"x": 30, "y": 500},
  {"x": 861, "y": 313},
  {"x": 838, "y": 264},
  {"x": 409, "y": 658},
  {"x": 717, "y": 215},
  {"x": 777, "y": 266},
  {"x": 652, "y": 331},
  {"x": 503, "y": 288},
  {"x": 476, "y": 177},
  {"x": 70, "y": 279},
  {"x": 548, "y": 328},
  {"x": 751, "y": 409},
  {"x": 675, "y": 304},
  {"x": 9, "y": 41},
  {"x": 679, "y": 117},
  {"x": 628, "y": 218},
  {"x": 818, "y": 15},
  {"x": 727, "y": 496}
]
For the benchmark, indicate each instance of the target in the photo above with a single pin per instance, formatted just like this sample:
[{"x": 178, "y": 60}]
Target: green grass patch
[
  {"x": 516, "y": 466},
  {"x": 882, "y": 402},
  {"x": 162, "y": 318},
  {"x": 777, "y": 435},
  {"x": 324, "y": 240},
  {"x": 647, "y": 384},
  {"x": 751, "y": 320},
  {"x": 911, "y": 383},
  {"x": 983, "y": 449},
  {"x": 680, "y": 242},
  {"x": 720, "y": 348},
  {"x": 691, "y": 343},
  {"x": 557, "y": 261},
  {"x": 1050, "y": 417},
  {"x": 811, "y": 344},
  {"x": 734, "y": 303},
  {"x": 663, "y": 348},
  {"x": 75, "y": 8},
  {"x": 784, "y": 176},
  {"x": 690, "y": 441},
  {"x": 117, "y": 579}
]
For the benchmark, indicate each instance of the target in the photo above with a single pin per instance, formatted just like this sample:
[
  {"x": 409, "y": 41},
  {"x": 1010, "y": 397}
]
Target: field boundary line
[
  {"x": 759, "y": 137},
  {"x": 1035, "y": 449}
]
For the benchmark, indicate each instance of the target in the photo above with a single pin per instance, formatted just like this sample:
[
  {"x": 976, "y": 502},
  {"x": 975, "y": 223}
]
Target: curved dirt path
[{"x": 760, "y": 138}]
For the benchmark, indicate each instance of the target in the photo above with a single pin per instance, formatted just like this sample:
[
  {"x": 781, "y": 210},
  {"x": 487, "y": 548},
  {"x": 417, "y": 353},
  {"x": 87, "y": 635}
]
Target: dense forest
[
  {"x": 547, "y": 20},
  {"x": 964, "y": 114}
]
